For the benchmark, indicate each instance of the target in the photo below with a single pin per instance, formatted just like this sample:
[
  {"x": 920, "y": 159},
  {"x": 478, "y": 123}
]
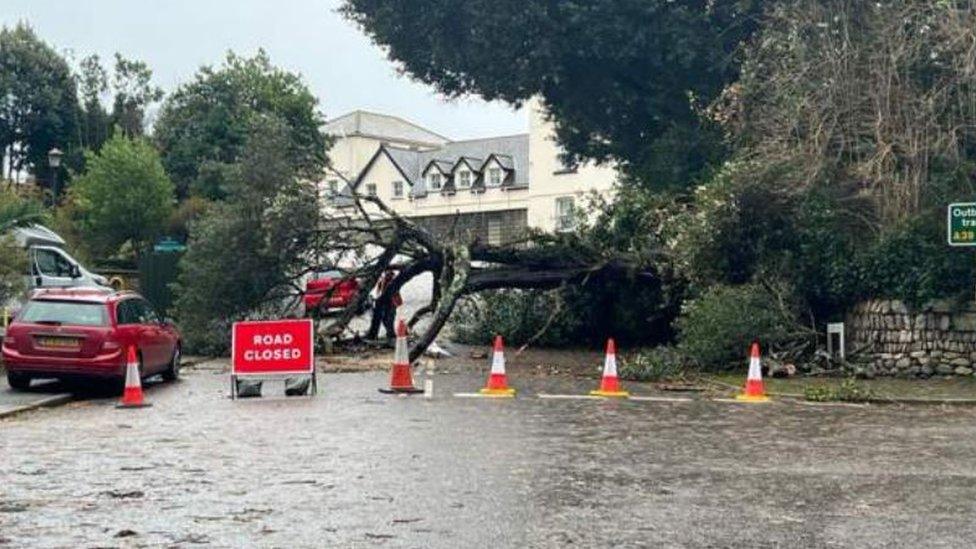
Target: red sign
[{"x": 272, "y": 347}]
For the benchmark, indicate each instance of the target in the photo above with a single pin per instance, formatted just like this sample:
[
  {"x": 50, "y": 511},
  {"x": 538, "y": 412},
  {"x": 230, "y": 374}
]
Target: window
[
  {"x": 51, "y": 263},
  {"x": 464, "y": 179},
  {"x": 147, "y": 315},
  {"x": 371, "y": 189},
  {"x": 494, "y": 177},
  {"x": 434, "y": 181},
  {"x": 64, "y": 312},
  {"x": 126, "y": 312},
  {"x": 494, "y": 232},
  {"x": 398, "y": 189},
  {"x": 333, "y": 187},
  {"x": 565, "y": 214}
]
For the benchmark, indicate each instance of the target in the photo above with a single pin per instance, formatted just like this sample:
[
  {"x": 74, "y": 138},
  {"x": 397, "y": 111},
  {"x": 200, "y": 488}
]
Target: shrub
[
  {"x": 632, "y": 311},
  {"x": 516, "y": 315},
  {"x": 656, "y": 364},
  {"x": 717, "y": 328},
  {"x": 848, "y": 391}
]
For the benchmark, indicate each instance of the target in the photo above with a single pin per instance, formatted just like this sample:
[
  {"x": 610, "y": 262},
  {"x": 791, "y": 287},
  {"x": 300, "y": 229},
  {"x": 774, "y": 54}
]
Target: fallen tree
[{"x": 460, "y": 263}]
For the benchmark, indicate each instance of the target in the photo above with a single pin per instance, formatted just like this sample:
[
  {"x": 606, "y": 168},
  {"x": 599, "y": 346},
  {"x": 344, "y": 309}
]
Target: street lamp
[{"x": 54, "y": 160}]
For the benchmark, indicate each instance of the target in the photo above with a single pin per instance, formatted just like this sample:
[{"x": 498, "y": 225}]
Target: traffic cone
[
  {"x": 497, "y": 380},
  {"x": 754, "y": 390},
  {"x": 401, "y": 379},
  {"x": 609, "y": 385},
  {"x": 132, "y": 394}
]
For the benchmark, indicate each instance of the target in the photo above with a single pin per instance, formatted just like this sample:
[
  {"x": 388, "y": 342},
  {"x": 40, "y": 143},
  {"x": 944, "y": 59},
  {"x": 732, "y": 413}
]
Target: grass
[{"x": 933, "y": 388}]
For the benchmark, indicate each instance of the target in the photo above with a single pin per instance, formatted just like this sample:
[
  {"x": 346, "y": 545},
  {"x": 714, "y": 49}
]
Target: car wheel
[
  {"x": 173, "y": 372},
  {"x": 19, "y": 382}
]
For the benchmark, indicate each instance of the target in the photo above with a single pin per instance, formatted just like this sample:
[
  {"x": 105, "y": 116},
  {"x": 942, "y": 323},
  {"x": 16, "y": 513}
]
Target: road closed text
[{"x": 272, "y": 347}]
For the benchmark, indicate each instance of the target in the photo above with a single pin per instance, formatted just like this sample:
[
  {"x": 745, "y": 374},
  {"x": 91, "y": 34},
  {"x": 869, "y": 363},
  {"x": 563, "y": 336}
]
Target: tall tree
[
  {"x": 124, "y": 196},
  {"x": 205, "y": 125},
  {"x": 134, "y": 94},
  {"x": 624, "y": 80},
  {"x": 38, "y": 103},
  {"x": 92, "y": 84}
]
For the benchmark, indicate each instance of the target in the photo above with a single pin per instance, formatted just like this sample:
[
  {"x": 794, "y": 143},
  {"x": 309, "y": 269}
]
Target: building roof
[
  {"x": 512, "y": 151},
  {"x": 384, "y": 127}
]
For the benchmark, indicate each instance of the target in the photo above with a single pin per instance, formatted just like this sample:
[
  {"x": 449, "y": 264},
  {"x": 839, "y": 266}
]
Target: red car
[
  {"x": 329, "y": 290},
  {"x": 85, "y": 333}
]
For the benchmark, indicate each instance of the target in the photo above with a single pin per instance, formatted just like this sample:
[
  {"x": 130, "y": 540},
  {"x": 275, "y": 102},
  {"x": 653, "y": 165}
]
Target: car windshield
[{"x": 75, "y": 313}]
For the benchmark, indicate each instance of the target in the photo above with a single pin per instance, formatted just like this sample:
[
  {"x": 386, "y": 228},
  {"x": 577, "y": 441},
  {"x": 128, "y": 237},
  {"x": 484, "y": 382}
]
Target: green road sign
[{"x": 962, "y": 224}]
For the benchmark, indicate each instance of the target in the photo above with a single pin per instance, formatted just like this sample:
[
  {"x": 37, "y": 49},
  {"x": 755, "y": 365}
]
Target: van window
[
  {"x": 76, "y": 313},
  {"x": 51, "y": 263}
]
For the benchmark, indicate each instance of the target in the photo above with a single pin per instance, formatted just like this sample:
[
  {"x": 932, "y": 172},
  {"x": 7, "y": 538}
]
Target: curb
[{"x": 54, "y": 400}]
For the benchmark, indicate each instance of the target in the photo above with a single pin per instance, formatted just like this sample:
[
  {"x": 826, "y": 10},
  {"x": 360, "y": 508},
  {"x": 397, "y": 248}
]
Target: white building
[{"x": 495, "y": 186}]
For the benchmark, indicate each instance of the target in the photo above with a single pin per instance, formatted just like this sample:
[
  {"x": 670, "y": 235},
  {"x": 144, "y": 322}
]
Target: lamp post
[{"x": 54, "y": 160}]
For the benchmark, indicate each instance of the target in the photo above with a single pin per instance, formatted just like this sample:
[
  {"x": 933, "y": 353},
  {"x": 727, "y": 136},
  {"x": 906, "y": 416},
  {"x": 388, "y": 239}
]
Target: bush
[
  {"x": 13, "y": 269},
  {"x": 516, "y": 315},
  {"x": 717, "y": 328},
  {"x": 848, "y": 391},
  {"x": 632, "y": 311},
  {"x": 656, "y": 364}
]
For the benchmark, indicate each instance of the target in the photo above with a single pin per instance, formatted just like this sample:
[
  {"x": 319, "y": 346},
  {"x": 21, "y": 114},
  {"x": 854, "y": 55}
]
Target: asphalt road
[{"x": 353, "y": 468}]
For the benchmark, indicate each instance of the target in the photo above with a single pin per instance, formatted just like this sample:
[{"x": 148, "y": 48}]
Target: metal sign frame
[{"x": 310, "y": 371}]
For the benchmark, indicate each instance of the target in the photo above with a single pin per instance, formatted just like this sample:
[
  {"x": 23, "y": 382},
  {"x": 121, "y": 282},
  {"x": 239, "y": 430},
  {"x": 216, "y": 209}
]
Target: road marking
[
  {"x": 479, "y": 395},
  {"x": 737, "y": 401},
  {"x": 833, "y": 404},
  {"x": 661, "y": 399},
  {"x": 570, "y": 397}
]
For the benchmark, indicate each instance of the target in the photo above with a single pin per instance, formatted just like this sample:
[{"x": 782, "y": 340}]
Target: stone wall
[{"x": 938, "y": 338}]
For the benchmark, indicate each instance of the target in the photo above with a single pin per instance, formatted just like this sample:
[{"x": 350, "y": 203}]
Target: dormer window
[
  {"x": 434, "y": 181},
  {"x": 464, "y": 179},
  {"x": 494, "y": 177}
]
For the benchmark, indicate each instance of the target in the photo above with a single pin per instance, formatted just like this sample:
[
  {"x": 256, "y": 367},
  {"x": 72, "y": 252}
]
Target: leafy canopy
[
  {"x": 623, "y": 79},
  {"x": 124, "y": 195},
  {"x": 38, "y": 102},
  {"x": 245, "y": 251},
  {"x": 205, "y": 125}
]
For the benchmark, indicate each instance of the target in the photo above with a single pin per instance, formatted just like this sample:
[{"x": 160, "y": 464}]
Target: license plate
[{"x": 59, "y": 342}]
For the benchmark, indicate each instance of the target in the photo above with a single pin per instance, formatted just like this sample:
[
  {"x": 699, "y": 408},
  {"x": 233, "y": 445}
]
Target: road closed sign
[
  {"x": 962, "y": 224},
  {"x": 272, "y": 347}
]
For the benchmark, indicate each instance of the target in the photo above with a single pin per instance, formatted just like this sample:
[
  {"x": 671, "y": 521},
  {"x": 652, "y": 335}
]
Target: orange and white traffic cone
[
  {"x": 754, "y": 390},
  {"x": 132, "y": 393},
  {"x": 609, "y": 385},
  {"x": 401, "y": 378},
  {"x": 497, "y": 380}
]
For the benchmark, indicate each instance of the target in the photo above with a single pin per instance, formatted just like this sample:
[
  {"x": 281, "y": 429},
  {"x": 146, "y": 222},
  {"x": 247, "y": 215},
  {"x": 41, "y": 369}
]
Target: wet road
[{"x": 353, "y": 468}]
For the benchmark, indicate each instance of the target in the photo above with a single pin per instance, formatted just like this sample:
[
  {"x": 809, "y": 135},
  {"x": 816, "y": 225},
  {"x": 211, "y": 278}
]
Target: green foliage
[
  {"x": 624, "y": 80},
  {"x": 848, "y": 391},
  {"x": 656, "y": 364},
  {"x": 245, "y": 253},
  {"x": 717, "y": 328},
  {"x": 516, "y": 315},
  {"x": 632, "y": 311},
  {"x": 16, "y": 212},
  {"x": 39, "y": 105},
  {"x": 205, "y": 125},
  {"x": 134, "y": 93},
  {"x": 13, "y": 269},
  {"x": 124, "y": 196}
]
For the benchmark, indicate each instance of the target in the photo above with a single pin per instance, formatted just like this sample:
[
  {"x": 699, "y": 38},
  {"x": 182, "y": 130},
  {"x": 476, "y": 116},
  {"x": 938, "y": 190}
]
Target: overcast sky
[{"x": 338, "y": 62}]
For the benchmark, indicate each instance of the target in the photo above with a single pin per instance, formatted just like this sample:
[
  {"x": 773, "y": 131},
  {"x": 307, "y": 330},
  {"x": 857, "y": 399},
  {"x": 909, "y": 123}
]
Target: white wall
[{"x": 546, "y": 186}]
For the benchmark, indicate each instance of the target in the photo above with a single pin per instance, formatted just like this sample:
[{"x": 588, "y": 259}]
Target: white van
[{"x": 50, "y": 265}]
